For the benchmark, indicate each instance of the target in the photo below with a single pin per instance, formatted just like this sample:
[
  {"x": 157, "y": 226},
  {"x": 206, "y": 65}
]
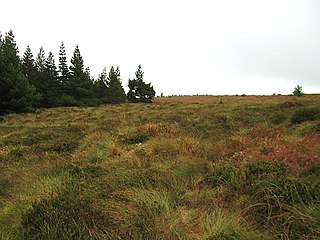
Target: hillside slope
[{"x": 179, "y": 168}]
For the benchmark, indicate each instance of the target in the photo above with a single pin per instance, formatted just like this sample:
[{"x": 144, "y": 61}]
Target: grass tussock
[{"x": 198, "y": 168}]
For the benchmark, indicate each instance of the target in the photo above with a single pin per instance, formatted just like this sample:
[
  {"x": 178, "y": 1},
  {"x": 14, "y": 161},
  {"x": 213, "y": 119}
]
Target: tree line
[{"x": 31, "y": 82}]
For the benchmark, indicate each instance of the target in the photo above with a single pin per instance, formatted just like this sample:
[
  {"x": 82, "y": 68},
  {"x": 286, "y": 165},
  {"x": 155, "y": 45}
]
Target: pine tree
[
  {"x": 79, "y": 85},
  {"x": 101, "y": 86},
  {"x": 139, "y": 91},
  {"x": 53, "y": 92},
  {"x": 64, "y": 73},
  {"x": 16, "y": 94},
  {"x": 2, "y": 63},
  {"x": 115, "y": 92},
  {"x": 41, "y": 60},
  {"x": 298, "y": 91},
  {"x": 28, "y": 66},
  {"x": 41, "y": 82}
]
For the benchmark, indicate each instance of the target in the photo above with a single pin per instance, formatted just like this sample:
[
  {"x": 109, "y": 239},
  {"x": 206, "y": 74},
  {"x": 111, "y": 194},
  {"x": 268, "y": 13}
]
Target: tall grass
[{"x": 179, "y": 168}]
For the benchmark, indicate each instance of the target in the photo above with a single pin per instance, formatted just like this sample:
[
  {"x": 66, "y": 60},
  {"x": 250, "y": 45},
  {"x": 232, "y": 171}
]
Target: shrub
[{"x": 305, "y": 114}]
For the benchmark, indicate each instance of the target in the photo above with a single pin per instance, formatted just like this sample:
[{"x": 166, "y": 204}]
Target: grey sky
[{"x": 184, "y": 47}]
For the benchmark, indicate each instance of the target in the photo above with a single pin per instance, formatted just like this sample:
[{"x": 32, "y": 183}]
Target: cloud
[{"x": 185, "y": 47}]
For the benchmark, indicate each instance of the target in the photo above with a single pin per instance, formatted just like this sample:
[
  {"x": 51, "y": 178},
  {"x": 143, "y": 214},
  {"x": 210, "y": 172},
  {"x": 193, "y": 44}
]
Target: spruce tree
[
  {"x": 64, "y": 76},
  {"x": 139, "y": 91},
  {"x": 53, "y": 92},
  {"x": 16, "y": 94},
  {"x": 41, "y": 82},
  {"x": 101, "y": 86},
  {"x": 89, "y": 84},
  {"x": 28, "y": 66},
  {"x": 41, "y": 60},
  {"x": 79, "y": 85},
  {"x": 115, "y": 92},
  {"x": 63, "y": 66}
]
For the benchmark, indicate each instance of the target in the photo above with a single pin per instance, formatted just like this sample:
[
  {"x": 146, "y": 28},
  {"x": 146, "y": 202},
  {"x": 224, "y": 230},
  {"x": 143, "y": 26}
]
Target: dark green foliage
[
  {"x": 64, "y": 73},
  {"x": 38, "y": 83},
  {"x": 47, "y": 81},
  {"x": 79, "y": 85},
  {"x": 53, "y": 92},
  {"x": 16, "y": 94},
  {"x": 139, "y": 91},
  {"x": 28, "y": 65},
  {"x": 62, "y": 217},
  {"x": 101, "y": 86},
  {"x": 115, "y": 92},
  {"x": 298, "y": 91},
  {"x": 305, "y": 114}
]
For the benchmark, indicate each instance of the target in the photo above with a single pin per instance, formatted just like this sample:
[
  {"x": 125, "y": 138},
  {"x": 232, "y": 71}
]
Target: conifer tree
[
  {"x": 139, "y": 91},
  {"x": 41, "y": 60},
  {"x": 16, "y": 94},
  {"x": 28, "y": 66},
  {"x": 298, "y": 91},
  {"x": 101, "y": 86},
  {"x": 79, "y": 85},
  {"x": 53, "y": 92},
  {"x": 115, "y": 92},
  {"x": 41, "y": 82},
  {"x": 63, "y": 66},
  {"x": 89, "y": 80}
]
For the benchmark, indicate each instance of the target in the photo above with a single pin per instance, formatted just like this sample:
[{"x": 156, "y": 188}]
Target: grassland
[{"x": 179, "y": 168}]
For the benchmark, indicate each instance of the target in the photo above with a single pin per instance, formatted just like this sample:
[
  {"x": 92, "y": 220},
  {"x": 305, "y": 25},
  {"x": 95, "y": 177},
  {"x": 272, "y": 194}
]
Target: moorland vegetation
[{"x": 178, "y": 168}]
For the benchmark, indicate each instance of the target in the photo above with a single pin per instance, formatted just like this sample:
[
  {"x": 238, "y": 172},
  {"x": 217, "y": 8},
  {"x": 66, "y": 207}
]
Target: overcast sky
[{"x": 184, "y": 47}]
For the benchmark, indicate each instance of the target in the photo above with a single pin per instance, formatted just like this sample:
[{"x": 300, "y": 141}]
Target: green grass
[{"x": 180, "y": 168}]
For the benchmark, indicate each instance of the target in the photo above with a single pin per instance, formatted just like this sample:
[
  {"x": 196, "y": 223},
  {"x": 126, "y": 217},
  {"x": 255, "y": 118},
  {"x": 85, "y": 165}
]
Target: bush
[{"x": 305, "y": 114}]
